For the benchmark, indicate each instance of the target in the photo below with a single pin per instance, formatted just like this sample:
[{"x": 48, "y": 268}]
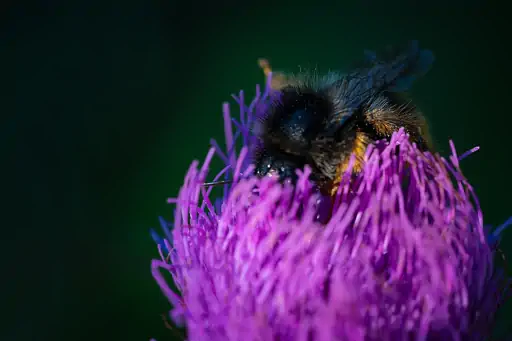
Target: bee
[{"x": 321, "y": 120}]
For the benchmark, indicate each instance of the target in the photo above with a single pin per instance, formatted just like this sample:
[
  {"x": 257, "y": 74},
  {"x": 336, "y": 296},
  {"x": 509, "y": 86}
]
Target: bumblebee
[{"x": 321, "y": 121}]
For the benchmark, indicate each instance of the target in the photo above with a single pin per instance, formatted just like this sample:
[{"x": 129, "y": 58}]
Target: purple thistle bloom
[{"x": 404, "y": 255}]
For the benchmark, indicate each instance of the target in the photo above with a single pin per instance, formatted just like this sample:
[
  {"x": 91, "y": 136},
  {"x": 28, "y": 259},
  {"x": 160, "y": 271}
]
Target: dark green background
[{"x": 105, "y": 104}]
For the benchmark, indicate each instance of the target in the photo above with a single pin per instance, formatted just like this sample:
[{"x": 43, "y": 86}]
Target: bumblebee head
[{"x": 287, "y": 132}]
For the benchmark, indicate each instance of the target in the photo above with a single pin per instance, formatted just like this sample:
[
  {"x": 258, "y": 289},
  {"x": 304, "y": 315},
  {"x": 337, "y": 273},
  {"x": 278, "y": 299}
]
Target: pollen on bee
[{"x": 360, "y": 144}]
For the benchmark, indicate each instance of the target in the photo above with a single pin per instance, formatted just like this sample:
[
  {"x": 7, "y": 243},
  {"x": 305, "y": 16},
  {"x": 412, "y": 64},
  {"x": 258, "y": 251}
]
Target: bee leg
[
  {"x": 278, "y": 79},
  {"x": 265, "y": 66}
]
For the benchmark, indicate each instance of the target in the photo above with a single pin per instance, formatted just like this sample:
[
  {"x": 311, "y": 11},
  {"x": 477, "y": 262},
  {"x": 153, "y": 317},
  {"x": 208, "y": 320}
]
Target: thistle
[{"x": 404, "y": 254}]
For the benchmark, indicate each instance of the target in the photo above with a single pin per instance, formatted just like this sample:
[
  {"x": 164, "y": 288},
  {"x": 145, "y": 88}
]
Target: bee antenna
[{"x": 217, "y": 183}]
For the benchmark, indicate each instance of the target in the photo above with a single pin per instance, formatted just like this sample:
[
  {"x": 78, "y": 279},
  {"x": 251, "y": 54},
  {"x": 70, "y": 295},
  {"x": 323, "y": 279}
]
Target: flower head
[{"x": 404, "y": 255}]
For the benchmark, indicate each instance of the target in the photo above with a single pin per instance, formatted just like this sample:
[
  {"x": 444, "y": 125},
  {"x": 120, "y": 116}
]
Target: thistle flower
[{"x": 404, "y": 256}]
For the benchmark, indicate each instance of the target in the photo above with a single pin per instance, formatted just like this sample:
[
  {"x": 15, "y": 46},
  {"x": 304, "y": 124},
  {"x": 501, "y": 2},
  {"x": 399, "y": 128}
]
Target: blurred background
[{"x": 105, "y": 104}]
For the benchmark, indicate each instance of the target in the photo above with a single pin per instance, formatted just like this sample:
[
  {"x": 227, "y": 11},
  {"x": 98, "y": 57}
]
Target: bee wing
[{"x": 394, "y": 72}]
